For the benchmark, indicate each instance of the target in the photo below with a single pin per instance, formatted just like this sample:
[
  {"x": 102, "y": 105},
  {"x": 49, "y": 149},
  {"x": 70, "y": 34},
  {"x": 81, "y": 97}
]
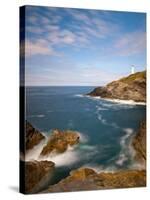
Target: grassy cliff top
[{"x": 133, "y": 77}]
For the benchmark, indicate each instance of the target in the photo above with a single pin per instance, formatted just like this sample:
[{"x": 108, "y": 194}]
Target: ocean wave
[
  {"x": 79, "y": 95},
  {"x": 33, "y": 154},
  {"x": 93, "y": 97},
  {"x": 39, "y": 116},
  {"x": 100, "y": 168},
  {"x": 126, "y": 149},
  {"x": 128, "y": 102},
  {"x": 73, "y": 154},
  {"x": 67, "y": 158},
  {"x": 100, "y": 108},
  {"x": 116, "y": 101},
  {"x": 83, "y": 138},
  {"x": 105, "y": 122}
]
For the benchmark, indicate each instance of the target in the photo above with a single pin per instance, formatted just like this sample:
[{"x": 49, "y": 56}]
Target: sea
[{"x": 106, "y": 128}]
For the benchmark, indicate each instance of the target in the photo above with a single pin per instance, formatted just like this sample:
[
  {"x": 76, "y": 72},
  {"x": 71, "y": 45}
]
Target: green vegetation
[{"x": 133, "y": 77}]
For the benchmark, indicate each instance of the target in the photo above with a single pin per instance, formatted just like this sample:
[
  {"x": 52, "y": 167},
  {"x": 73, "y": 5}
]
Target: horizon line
[{"x": 59, "y": 85}]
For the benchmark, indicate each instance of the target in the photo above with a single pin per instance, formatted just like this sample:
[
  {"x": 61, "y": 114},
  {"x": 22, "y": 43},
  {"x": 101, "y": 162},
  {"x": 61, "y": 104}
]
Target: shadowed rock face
[
  {"x": 88, "y": 179},
  {"x": 139, "y": 144},
  {"x": 32, "y": 137},
  {"x": 132, "y": 87},
  {"x": 37, "y": 175},
  {"x": 59, "y": 141}
]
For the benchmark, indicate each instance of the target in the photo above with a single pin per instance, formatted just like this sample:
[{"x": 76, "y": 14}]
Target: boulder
[
  {"x": 37, "y": 175},
  {"x": 59, "y": 141}
]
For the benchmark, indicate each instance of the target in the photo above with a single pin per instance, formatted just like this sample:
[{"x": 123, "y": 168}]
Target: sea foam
[{"x": 126, "y": 149}]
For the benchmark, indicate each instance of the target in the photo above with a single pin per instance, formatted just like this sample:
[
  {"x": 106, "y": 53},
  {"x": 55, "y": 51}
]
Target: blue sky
[{"x": 82, "y": 47}]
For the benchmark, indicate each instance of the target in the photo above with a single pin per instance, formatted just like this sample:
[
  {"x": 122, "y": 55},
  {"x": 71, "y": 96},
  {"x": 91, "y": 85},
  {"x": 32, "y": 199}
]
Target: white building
[{"x": 132, "y": 69}]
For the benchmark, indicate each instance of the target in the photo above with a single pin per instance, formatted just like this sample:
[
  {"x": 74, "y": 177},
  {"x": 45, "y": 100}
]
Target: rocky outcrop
[
  {"x": 88, "y": 179},
  {"x": 139, "y": 144},
  {"x": 32, "y": 136},
  {"x": 59, "y": 141},
  {"x": 37, "y": 175},
  {"x": 132, "y": 87}
]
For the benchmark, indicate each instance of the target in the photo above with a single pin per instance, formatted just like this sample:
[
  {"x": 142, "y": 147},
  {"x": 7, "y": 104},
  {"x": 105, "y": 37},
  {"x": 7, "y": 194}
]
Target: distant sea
[{"x": 106, "y": 128}]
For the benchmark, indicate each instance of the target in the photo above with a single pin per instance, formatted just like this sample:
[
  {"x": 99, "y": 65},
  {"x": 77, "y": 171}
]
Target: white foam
[
  {"x": 118, "y": 101},
  {"x": 83, "y": 138},
  {"x": 67, "y": 158},
  {"x": 93, "y": 97},
  {"x": 99, "y": 168},
  {"x": 79, "y": 95},
  {"x": 88, "y": 147},
  {"x": 33, "y": 154},
  {"x": 105, "y": 122},
  {"x": 99, "y": 116},
  {"x": 128, "y": 102},
  {"x": 99, "y": 108},
  {"x": 39, "y": 116},
  {"x": 126, "y": 147},
  {"x": 122, "y": 159}
]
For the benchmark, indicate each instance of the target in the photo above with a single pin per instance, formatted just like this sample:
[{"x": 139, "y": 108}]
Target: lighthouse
[{"x": 132, "y": 69}]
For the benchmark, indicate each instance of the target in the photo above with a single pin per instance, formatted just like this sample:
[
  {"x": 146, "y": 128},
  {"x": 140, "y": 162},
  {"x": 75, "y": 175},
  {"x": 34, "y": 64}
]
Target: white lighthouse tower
[{"x": 132, "y": 69}]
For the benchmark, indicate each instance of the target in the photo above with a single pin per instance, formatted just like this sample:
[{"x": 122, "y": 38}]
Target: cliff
[
  {"x": 132, "y": 87},
  {"x": 139, "y": 144},
  {"x": 32, "y": 136}
]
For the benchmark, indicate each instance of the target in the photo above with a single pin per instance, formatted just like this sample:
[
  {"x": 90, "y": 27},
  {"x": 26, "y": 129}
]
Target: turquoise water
[{"x": 105, "y": 127}]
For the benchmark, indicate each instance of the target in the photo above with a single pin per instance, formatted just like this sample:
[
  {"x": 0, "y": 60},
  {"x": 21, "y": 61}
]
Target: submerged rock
[
  {"x": 88, "y": 179},
  {"x": 59, "y": 141},
  {"x": 139, "y": 144},
  {"x": 132, "y": 87},
  {"x": 32, "y": 137},
  {"x": 37, "y": 175}
]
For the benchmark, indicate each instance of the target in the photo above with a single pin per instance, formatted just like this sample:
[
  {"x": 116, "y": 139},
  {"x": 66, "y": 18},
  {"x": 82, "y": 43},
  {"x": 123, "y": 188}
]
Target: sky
[{"x": 65, "y": 46}]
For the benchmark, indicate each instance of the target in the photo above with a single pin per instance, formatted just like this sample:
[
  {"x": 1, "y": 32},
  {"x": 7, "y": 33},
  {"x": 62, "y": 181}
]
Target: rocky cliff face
[
  {"x": 88, "y": 179},
  {"x": 139, "y": 144},
  {"x": 132, "y": 87},
  {"x": 37, "y": 175},
  {"x": 59, "y": 141},
  {"x": 32, "y": 137}
]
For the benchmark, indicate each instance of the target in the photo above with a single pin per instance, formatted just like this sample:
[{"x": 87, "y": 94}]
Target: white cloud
[
  {"x": 131, "y": 43},
  {"x": 38, "y": 48}
]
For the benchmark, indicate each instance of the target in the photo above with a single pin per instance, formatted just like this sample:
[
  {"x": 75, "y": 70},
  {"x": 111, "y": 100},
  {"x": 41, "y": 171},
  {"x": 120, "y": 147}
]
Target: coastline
[{"x": 119, "y": 101}]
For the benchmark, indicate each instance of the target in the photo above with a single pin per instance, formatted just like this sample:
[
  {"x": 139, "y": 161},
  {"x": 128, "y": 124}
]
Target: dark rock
[
  {"x": 139, "y": 144},
  {"x": 32, "y": 137},
  {"x": 132, "y": 87},
  {"x": 59, "y": 141},
  {"x": 37, "y": 175}
]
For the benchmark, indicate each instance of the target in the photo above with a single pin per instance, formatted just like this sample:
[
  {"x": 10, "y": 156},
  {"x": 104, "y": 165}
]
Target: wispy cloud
[
  {"x": 78, "y": 47},
  {"x": 80, "y": 32},
  {"x": 38, "y": 48},
  {"x": 131, "y": 43}
]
